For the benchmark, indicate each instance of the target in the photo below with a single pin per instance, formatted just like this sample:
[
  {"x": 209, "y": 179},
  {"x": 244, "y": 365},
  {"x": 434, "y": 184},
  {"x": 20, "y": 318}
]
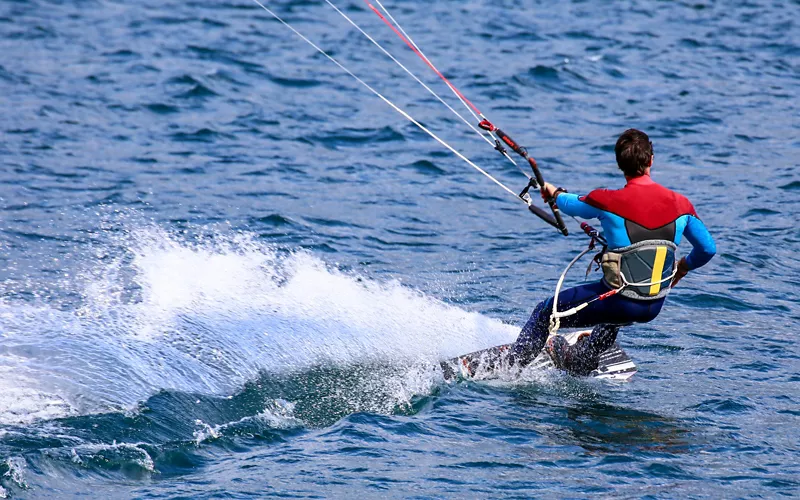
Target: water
[{"x": 226, "y": 269}]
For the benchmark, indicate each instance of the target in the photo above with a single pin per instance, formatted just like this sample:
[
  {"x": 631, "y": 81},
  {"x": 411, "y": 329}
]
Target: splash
[
  {"x": 278, "y": 415},
  {"x": 159, "y": 312},
  {"x": 112, "y": 455},
  {"x": 14, "y": 475}
]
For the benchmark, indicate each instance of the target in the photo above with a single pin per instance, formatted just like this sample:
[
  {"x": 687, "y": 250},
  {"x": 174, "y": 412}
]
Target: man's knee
[
  {"x": 542, "y": 311},
  {"x": 602, "y": 338},
  {"x": 533, "y": 335},
  {"x": 586, "y": 352}
]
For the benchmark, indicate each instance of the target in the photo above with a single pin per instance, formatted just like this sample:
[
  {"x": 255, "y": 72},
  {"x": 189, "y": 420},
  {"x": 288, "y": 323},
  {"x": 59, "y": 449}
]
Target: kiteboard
[{"x": 487, "y": 363}]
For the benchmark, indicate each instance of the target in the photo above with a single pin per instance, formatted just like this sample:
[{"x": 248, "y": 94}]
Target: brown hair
[{"x": 634, "y": 151}]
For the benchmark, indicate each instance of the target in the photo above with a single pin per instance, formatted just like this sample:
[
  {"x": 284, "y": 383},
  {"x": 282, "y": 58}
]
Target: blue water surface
[{"x": 228, "y": 270}]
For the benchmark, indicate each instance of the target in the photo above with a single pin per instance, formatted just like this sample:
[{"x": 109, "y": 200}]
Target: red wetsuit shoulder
[{"x": 642, "y": 201}]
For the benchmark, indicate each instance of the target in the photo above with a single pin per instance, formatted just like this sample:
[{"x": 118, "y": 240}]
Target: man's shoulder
[
  {"x": 681, "y": 202},
  {"x": 647, "y": 203},
  {"x": 637, "y": 192}
]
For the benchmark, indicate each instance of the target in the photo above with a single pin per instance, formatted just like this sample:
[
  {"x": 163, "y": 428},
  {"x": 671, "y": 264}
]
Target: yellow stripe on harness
[{"x": 658, "y": 269}]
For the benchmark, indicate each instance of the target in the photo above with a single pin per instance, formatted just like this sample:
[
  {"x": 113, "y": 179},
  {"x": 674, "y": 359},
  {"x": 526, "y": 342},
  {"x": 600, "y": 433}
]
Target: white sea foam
[
  {"x": 14, "y": 475},
  {"x": 110, "y": 454},
  {"x": 207, "y": 316},
  {"x": 20, "y": 400},
  {"x": 279, "y": 415}
]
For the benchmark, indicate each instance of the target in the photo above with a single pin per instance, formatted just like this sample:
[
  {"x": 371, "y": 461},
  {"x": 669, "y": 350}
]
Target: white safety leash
[{"x": 555, "y": 318}]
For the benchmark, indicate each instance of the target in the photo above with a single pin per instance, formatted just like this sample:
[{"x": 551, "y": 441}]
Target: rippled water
[{"x": 225, "y": 268}]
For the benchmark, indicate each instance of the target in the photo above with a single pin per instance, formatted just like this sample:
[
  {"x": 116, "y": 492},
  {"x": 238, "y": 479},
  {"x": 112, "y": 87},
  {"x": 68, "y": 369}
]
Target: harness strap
[{"x": 625, "y": 282}]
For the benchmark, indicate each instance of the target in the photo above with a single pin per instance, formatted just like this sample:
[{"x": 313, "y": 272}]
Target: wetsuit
[{"x": 641, "y": 211}]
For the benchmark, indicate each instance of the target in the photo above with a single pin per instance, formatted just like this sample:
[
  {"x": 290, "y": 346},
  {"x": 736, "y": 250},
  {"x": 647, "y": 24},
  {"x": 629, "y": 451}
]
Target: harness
[{"x": 637, "y": 271}]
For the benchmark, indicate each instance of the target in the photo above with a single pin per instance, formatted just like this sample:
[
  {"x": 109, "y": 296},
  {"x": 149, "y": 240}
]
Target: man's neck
[{"x": 646, "y": 176}]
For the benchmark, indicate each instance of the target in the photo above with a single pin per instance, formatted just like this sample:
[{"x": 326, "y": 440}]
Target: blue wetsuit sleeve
[
  {"x": 703, "y": 246},
  {"x": 571, "y": 204}
]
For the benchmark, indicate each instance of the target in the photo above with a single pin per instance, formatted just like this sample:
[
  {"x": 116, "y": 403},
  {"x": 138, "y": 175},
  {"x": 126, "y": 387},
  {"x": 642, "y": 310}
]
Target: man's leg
[
  {"x": 534, "y": 334},
  {"x": 607, "y": 316},
  {"x": 584, "y": 356}
]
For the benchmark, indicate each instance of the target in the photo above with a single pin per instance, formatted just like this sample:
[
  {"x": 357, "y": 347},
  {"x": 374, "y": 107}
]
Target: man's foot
[{"x": 564, "y": 355}]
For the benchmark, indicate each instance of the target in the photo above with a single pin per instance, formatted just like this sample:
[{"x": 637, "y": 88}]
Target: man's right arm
[
  {"x": 703, "y": 246},
  {"x": 571, "y": 204}
]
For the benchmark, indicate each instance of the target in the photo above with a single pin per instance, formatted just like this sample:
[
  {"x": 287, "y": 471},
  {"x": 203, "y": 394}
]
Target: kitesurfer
[{"x": 643, "y": 223}]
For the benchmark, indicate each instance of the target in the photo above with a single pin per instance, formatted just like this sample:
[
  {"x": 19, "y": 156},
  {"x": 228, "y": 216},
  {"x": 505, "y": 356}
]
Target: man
[{"x": 643, "y": 224}]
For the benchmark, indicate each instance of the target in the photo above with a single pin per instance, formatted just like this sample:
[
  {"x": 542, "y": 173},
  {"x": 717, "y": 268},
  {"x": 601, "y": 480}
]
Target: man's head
[{"x": 634, "y": 152}]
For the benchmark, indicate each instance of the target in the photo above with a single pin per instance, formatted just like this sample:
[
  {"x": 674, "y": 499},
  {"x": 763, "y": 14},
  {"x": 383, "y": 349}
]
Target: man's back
[{"x": 643, "y": 210}]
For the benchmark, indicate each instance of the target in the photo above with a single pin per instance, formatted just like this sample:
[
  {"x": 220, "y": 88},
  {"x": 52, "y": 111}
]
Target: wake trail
[{"x": 209, "y": 316}]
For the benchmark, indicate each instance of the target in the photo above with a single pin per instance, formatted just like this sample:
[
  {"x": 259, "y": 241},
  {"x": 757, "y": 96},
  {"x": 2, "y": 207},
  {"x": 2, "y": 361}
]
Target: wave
[{"x": 207, "y": 315}]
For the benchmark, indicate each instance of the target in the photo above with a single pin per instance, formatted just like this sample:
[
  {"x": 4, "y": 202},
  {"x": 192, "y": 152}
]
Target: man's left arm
[{"x": 570, "y": 204}]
